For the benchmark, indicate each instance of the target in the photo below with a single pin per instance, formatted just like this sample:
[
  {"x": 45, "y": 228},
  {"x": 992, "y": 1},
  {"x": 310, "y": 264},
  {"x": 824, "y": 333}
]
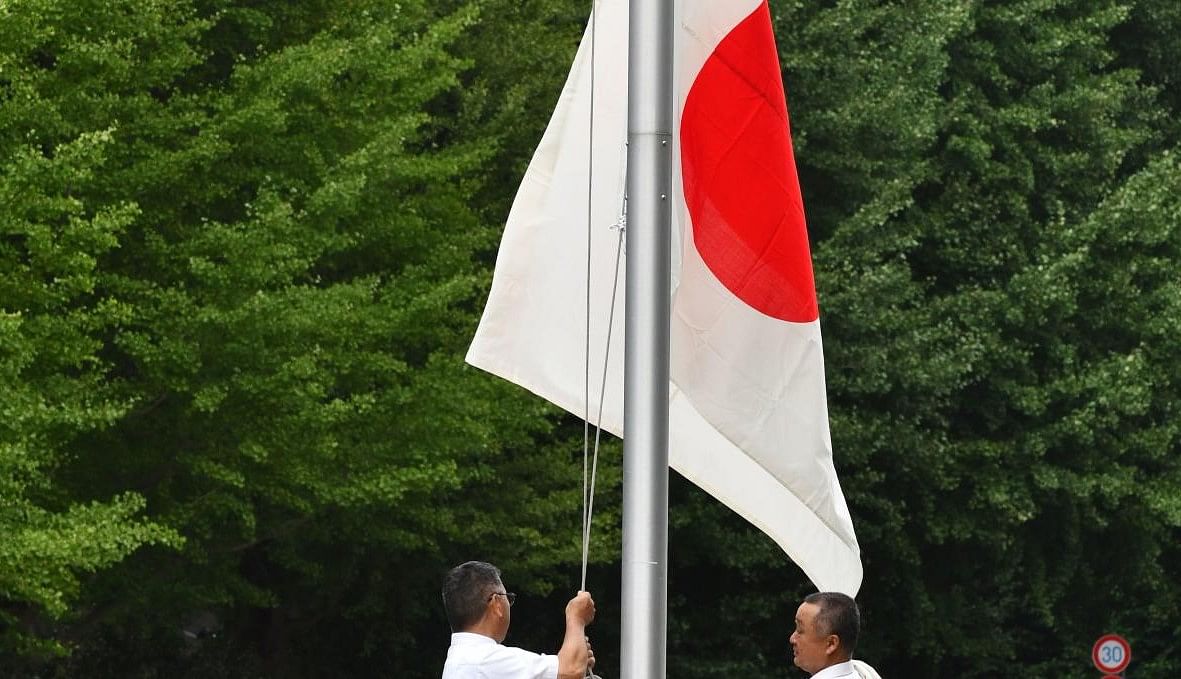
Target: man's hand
[
  {"x": 581, "y": 609},
  {"x": 574, "y": 658}
]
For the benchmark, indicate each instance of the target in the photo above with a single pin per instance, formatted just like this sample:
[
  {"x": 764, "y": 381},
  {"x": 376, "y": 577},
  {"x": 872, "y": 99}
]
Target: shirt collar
[
  {"x": 470, "y": 639},
  {"x": 833, "y": 671}
]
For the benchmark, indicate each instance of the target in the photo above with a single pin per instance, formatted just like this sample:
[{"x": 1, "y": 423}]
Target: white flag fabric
[{"x": 748, "y": 415}]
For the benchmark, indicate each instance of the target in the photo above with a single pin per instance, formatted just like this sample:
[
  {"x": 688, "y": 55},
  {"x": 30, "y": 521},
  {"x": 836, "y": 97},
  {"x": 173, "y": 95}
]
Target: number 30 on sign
[{"x": 1111, "y": 653}]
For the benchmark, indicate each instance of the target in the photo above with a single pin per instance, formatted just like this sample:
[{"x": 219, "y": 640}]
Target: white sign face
[{"x": 1111, "y": 653}]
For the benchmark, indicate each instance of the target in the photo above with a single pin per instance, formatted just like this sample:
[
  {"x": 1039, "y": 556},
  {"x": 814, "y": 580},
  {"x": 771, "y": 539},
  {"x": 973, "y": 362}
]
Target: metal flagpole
[{"x": 646, "y": 356}]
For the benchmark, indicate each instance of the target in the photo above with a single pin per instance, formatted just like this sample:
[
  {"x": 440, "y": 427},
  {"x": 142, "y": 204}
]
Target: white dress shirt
[{"x": 475, "y": 656}]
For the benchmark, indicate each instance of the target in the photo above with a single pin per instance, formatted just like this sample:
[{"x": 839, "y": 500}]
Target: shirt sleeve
[{"x": 509, "y": 662}]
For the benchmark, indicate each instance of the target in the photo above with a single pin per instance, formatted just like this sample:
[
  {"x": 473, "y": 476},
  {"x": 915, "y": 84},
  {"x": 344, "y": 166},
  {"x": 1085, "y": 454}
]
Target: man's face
[
  {"x": 500, "y": 601},
  {"x": 811, "y": 646}
]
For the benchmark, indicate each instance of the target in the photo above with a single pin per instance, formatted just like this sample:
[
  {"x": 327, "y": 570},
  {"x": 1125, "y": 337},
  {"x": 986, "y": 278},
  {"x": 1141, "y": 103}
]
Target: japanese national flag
[{"x": 748, "y": 418}]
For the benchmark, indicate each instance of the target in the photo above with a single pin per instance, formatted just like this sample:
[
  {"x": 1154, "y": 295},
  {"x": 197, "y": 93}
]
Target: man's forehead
[{"x": 806, "y": 611}]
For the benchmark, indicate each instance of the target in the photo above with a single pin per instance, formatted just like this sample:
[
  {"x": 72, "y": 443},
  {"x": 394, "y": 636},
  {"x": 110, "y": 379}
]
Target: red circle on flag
[
  {"x": 1111, "y": 653},
  {"x": 739, "y": 176}
]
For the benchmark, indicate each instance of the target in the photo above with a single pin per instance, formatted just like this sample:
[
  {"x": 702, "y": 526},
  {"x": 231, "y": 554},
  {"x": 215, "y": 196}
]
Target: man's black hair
[
  {"x": 465, "y": 593},
  {"x": 838, "y": 615}
]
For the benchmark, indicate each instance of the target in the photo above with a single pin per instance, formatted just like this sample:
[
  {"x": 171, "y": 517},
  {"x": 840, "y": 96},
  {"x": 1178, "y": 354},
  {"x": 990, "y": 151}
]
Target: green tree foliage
[
  {"x": 240, "y": 274},
  {"x": 54, "y": 319}
]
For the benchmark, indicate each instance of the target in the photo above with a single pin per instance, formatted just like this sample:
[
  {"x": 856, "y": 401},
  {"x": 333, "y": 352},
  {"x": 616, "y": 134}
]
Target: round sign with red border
[{"x": 1111, "y": 653}]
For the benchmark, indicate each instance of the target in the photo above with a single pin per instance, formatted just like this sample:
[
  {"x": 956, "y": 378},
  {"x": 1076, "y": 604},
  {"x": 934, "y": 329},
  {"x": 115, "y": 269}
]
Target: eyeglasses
[{"x": 511, "y": 596}]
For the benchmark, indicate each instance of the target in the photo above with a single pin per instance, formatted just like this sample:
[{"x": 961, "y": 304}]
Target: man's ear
[{"x": 832, "y": 644}]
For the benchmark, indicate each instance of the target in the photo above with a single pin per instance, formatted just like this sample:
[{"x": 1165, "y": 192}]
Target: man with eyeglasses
[{"x": 478, "y": 610}]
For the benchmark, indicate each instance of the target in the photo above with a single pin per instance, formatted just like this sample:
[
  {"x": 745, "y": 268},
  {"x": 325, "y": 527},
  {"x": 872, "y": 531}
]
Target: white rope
[
  {"x": 590, "y": 460},
  {"x": 590, "y": 176},
  {"x": 589, "y": 498},
  {"x": 590, "y": 468}
]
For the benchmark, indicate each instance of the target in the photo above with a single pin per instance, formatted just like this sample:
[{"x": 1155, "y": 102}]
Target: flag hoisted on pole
[{"x": 748, "y": 414}]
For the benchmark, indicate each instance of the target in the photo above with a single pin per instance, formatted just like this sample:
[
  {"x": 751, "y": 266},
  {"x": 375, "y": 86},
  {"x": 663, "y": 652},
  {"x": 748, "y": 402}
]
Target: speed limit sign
[{"x": 1111, "y": 653}]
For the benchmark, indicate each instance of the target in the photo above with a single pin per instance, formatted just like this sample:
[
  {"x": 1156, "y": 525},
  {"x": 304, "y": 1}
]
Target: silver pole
[{"x": 646, "y": 355}]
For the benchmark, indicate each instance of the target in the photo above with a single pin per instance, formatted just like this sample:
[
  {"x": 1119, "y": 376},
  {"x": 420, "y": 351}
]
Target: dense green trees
[
  {"x": 239, "y": 268},
  {"x": 244, "y": 246}
]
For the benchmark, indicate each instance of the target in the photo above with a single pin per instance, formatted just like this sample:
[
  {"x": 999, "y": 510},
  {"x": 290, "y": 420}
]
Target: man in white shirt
[
  {"x": 478, "y": 609},
  {"x": 827, "y": 627}
]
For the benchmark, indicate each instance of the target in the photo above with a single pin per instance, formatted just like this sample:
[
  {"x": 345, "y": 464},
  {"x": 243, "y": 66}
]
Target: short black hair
[
  {"x": 838, "y": 615},
  {"x": 465, "y": 593}
]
